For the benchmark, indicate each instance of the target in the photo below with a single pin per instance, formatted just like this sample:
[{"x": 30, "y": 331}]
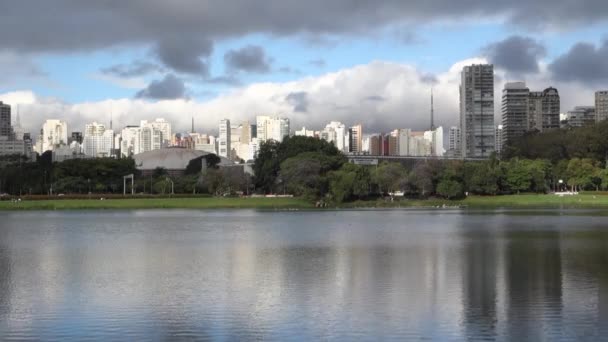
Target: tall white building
[
  {"x": 129, "y": 142},
  {"x": 224, "y": 139},
  {"x": 54, "y": 133},
  {"x": 499, "y": 138},
  {"x": 435, "y": 139},
  {"x": 272, "y": 128},
  {"x": 150, "y": 139},
  {"x": 336, "y": 132},
  {"x": 477, "y": 110},
  {"x": 98, "y": 141},
  {"x": 162, "y": 125}
]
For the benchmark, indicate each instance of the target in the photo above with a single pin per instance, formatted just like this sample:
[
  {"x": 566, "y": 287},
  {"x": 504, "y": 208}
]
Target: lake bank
[{"x": 589, "y": 200}]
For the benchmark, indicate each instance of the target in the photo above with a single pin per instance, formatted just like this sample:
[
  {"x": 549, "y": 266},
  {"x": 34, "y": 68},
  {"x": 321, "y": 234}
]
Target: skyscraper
[
  {"x": 98, "y": 141},
  {"x": 355, "y": 135},
  {"x": 515, "y": 97},
  {"x": 54, "y": 133},
  {"x": 162, "y": 125},
  {"x": 224, "y": 139},
  {"x": 454, "y": 143},
  {"x": 601, "y": 105},
  {"x": 581, "y": 116},
  {"x": 477, "y": 110},
  {"x": 543, "y": 110},
  {"x": 272, "y": 128},
  {"x": 499, "y": 138},
  {"x": 6, "y": 131}
]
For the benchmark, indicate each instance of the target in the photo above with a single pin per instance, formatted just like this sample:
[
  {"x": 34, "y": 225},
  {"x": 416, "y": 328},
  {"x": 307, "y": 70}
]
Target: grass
[
  {"x": 587, "y": 200},
  {"x": 159, "y": 203}
]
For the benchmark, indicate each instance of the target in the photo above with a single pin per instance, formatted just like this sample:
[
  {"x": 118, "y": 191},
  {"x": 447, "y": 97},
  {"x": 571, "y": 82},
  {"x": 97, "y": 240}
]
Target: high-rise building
[
  {"x": 224, "y": 139},
  {"x": 601, "y": 105},
  {"x": 150, "y": 139},
  {"x": 75, "y": 136},
  {"x": 477, "y": 110},
  {"x": 543, "y": 110},
  {"x": 6, "y": 130},
  {"x": 98, "y": 141},
  {"x": 129, "y": 141},
  {"x": 272, "y": 128},
  {"x": 162, "y": 125},
  {"x": 499, "y": 138},
  {"x": 454, "y": 143},
  {"x": 403, "y": 138},
  {"x": 355, "y": 135},
  {"x": 515, "y": 98},
  {"x": 435, "y": 139},
  {"x": 581, "y": 116},
  {"x": 336, "y": 132},
  {"x": 54, "y": 133}
]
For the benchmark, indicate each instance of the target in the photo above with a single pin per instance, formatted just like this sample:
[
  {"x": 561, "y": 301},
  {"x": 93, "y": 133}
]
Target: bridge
[{"x": 405, "y": 160}]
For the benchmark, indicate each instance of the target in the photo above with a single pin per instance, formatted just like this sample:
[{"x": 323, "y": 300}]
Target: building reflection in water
[{"x": 350, "y": 275}]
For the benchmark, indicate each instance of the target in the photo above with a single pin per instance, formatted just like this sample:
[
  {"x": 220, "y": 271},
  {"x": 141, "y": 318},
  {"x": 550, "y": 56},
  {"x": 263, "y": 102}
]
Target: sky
[{"x": 356, "y": 61}]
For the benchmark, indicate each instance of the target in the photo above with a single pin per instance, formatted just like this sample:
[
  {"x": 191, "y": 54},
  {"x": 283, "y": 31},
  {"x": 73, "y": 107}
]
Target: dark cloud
[
  {"x": 249, "y": 59},
  {"x": 68, "y": 25},
  {"x": 375, "y": 98},
  {"x": 185, "y": 54},
  {"x": 299, "y": 101},
  {"x": 135, "y": 69},
  {"x": 584, "y": 62},
  {"x": 429, "y": 79},
  {"x": 319, "y": 63},
  {"x": 516, "y": 54},
  {"x": 169, "y": 88}
]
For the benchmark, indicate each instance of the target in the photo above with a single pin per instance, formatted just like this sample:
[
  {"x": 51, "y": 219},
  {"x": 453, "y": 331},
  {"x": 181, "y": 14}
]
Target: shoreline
[{"x": 524, "y": 201}]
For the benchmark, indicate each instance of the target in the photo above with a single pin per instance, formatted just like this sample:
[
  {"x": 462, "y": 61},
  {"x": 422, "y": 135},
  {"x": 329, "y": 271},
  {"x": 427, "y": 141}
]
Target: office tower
[
  {"x": 6, "y": 131},
  {"x": 355, "y": 135},
  {"x": 336, "y": 132},
  {"x": 224, "y": 139},
  {"x": 403, "y": 138},
  {"x": 499, "y": 138},
  {"x": 272, "y": 128},
  {"x": 162, "y": 125},
  {"x": 515, "y": 98},
  {"x": 150, "y": 139},
  {"x": 435, "y": 140},
  {"x": 129, "y": 142},
  {"x": 581, "y": 116},
  {"x": 54, "y": 133},
  {"x": 98, "y": 141},
  {"x": 477, "y": 110},
  {"x": 454, "y": 143},
  {"x": 543, "y": 110},
  {"x": 601, "y": 105}
]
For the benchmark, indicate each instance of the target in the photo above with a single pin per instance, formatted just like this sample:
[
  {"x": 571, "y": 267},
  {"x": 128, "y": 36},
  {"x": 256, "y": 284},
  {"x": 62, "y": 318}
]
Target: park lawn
[
  {"x": 159, "y": 203},
  {"x": 586, "y": 200}
]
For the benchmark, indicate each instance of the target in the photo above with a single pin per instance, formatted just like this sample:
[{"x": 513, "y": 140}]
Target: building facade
[
  {"x": 98, "y": 141},
  {"x": 581, "y": 116},
  {"x": 272, "y": 128},
  {"x": 355, "y": 137},
  {"x": 477, "y": 111},
  {"x": 543, "y": 110},
  {"x": 454, "y": 143},
  {"x": 6, "y": 130},
  {"x": 601, "y": 105},
  {"x": 54, "y": 133},
  {"x": 224, "y": 139},
  {"x": 515, "y": 103}
]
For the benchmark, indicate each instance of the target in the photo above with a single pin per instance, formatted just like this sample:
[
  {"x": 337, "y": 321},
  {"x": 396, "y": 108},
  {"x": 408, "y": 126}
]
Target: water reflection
[{"x": 233, "y": 275}]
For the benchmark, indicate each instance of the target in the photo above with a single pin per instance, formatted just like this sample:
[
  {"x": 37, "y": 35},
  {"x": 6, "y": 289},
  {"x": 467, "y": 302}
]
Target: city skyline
[{"x": 377, "y": 70}]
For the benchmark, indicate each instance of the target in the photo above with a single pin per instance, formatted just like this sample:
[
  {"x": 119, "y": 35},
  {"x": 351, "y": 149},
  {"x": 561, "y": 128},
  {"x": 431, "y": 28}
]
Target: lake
[{"x": 330, "y": 275}]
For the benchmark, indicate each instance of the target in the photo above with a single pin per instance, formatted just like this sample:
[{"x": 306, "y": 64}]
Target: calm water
[{"x": 350, "y": 275}]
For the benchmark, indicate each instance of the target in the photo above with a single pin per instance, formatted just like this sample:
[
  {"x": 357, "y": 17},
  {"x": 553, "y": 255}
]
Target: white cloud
[{"x": 380, "y": 95}]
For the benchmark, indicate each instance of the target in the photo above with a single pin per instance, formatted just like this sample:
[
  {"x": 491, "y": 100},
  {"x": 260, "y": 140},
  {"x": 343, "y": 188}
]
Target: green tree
[
  {"x": 390, "y": 177},
  {"x": 449, "y": 189}
]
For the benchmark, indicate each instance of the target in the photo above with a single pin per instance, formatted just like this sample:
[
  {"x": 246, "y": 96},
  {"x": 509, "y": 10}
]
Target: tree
[
  {"x": 159, "y": 172},
  {"x": 583, "y": 174},
  {"x": 449, "y": 189},
  {"x": 390, "y": 177}
]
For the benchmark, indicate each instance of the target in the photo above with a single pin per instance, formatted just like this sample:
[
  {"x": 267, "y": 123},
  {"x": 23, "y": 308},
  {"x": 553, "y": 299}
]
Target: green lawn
[
  {"x": 587, "y": 200},
  {"x": 159, "y": 203}
]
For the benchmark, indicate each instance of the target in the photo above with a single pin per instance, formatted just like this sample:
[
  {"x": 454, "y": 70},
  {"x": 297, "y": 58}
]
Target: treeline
[
  {"x": 316, "y": 169},
  {"x": 589, "y": 142},
  {"x": 105, "y": 176}
]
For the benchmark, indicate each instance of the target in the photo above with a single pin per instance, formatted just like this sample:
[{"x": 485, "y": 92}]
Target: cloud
[
  {"x": 185, "y": 54},
  {"x": 168, "y": 88},
  {"x": 68, "y": 25},
  {"x": 15, "y": 68},
  {"x": 351, "y": 95},
  {"x": 299, "y": 101},
  {"x": 250, "y": 58},
  {"x": 135, "y": 69},
  {"x": 516, "y": 54},
  {"x": 584, "y": 62}
]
